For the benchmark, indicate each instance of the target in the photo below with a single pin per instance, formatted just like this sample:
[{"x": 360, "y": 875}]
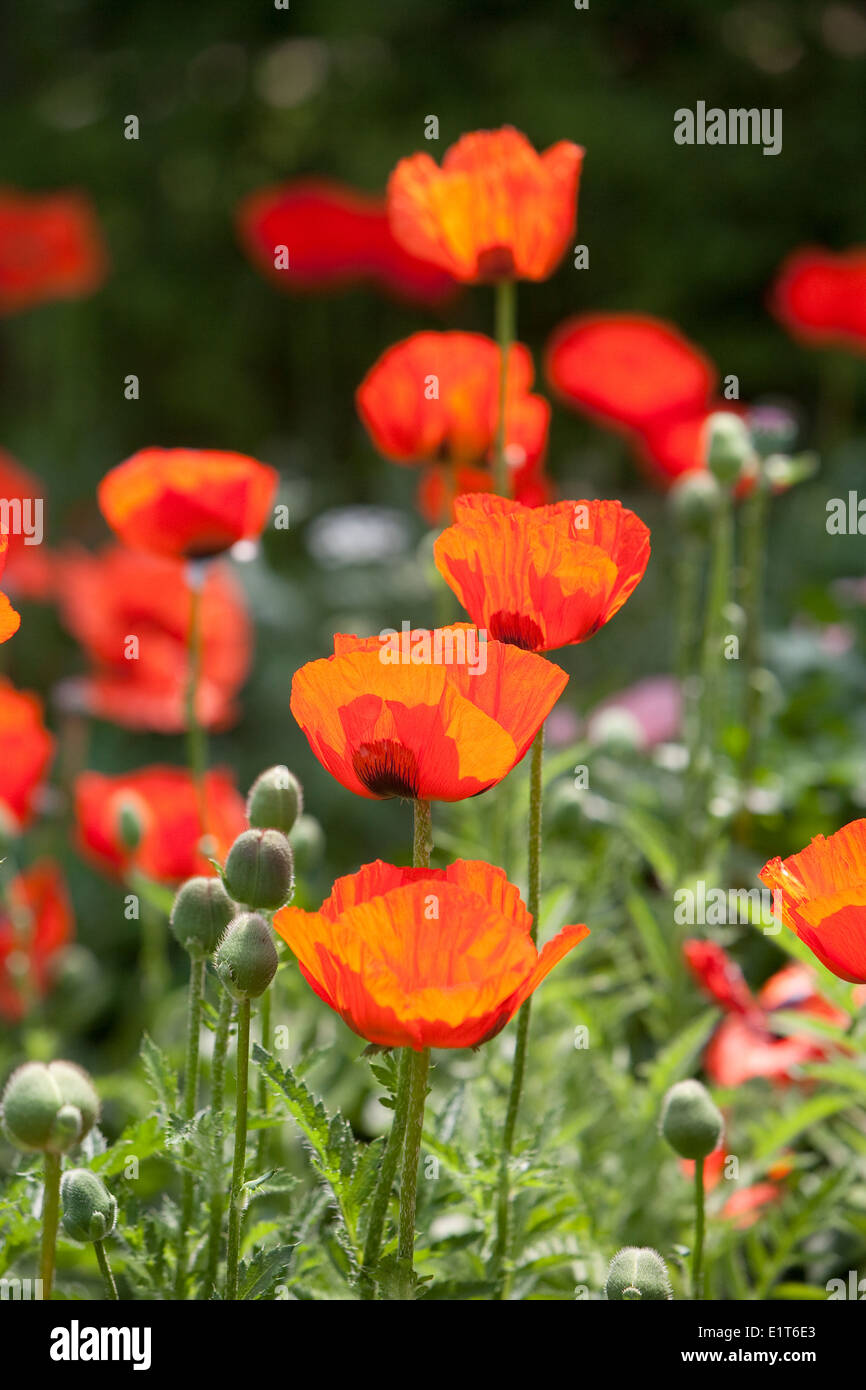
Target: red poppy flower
[
  {"x": 820, "y": 297},
  {"x": 26, "y": 749},
  {"x": 192, "y": 503},
  {"x": 744, "y": 1207},
  {"x": 51, "y": 247},
  {"x": 496, "y": 210},
  {"x": 714, "y": 1166},
  {"x": 423, "y": 957},
  {"x": 118, "y": 595},
  {"x": 333, "y": 236},
  {"x": 438, "y": 715},
  {"x": 745, "y": 1044},
  {"x": 35, "y": 924},
  {"x": 165, "y": 801},
  {"x": 441, "y": 485},
  {"x": 436, "y": 396},
  {"x": 542, "y": 577},
  {"x": 10, "y": 621},
  {"x": 820, "y": 894},
  {"x": 29, "y": 566}
]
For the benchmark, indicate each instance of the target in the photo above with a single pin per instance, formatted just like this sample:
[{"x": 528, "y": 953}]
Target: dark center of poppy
[
  {"x": 517, "y": 629},
  {"x": 386, "y": 768}
]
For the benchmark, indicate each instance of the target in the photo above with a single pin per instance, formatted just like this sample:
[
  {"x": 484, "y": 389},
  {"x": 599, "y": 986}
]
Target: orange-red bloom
[
  {"x": 51, "y": 247},
  {"x": 35, "y": 924},
  {"x": 26, "y": 749},
  {"x": 423, "y": 957},
  {"x": 118, "y": 595},
  {"x": 29, "y": 565},
  {"x": 331, "y": 236},
  {"x": 435, "y": 715},
  {"x": 10, "y": 621},
  {"x": 542, "y": 577},
  {"x": 820, "y": 297},
  {"x": 192, "y": 503},
  {"x": 496, "y": 210},
  {"x": 745, "y": 1044},
  {"x": 820, "y": 894},
  {"x": 165, "y": 802},
  {"x": 436, "y": 396},
  {"x": 441, "y": 485}
]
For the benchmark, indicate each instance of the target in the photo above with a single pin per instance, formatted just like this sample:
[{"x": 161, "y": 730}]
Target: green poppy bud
[
  {"x": 308, "y": 843},
  {"x": 246, "y": 958},
  {"x": 275, "y": 800},
  {"x": 691, "y": 1122},
  {"x": 637, "y": 1272},
  {"x": 694, "y": 501},
  {"x": 130, "y": 822},
  {"x": 89, "y": 1210},
  {"x": 49, "y": 1107},
  {"x": 730, "y": 454},
  {"x": 773, "y": 429},
  {"x": 259, "y": 869},
  {"x": 201, "y": 912}
]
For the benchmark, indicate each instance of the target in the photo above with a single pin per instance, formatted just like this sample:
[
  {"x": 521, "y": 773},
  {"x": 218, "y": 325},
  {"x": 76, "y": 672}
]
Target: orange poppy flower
[
  {"x": 10, "y": 621},
  {"x": 542, "y": 577},
  {"x": 29, "y": 565},
  {"x": 423, "y": 957},
  {"x": 438, "y": 715},
  {"x": 192, "y": 503},
  {"x": 51, "y": 247},
  {"x": 35, "y": 924},
  {"x": 496, "y": 210},
  {"x": 119, "y": 594},
  {"x": 441, "y": 485},
  {"x": 820, "y": 894},
  {"x": 333, "y": 236},
  {"x": 26, "y": 749},
  {"x": 436, "y": 396},
  {"x": 820, "y": 297},
  {"x": 164, "y": 799}
]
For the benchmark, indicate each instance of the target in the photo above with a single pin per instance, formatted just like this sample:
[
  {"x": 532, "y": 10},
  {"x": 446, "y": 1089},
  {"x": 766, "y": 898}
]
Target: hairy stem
[
  {"x": 50, "y": 1219},
  {"x": 217, "y": 1102},
  {"x": 506, "y": 332},
  {"x": 236, "y": 1197},
  {"x": 105, "y": 1269},
  {"x": 190, "y": 1102}
]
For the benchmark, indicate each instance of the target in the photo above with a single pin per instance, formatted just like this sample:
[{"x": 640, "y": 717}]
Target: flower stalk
[
  {"x": 236, "y": 1203},
  {"x": 190, "y": 1099},
  {"x": 506, "y": 332},
  {"x": 217, "y": 1102},
  {"x": 50, "y": 1220}
]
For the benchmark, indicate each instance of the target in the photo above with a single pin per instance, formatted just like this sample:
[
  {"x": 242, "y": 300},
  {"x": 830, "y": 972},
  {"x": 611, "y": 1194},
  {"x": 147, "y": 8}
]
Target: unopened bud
[
  {"x": 129, "y": 819},
  {"x": 246, "y": 958},
  {"x": 49, "y": 1107},
  {"x": 690, "y": 1121},
  {"x": 201, "y": 912},
  {"x": 259, "y": 869},
  {"x": 638, "y": 1273},
  {"x": 308, "y": 842},
  {"x": 694, "y": 501},
  {"x": 773, "y": 429},
  {"x": 89, "y": 1210},
  {"x": 730, "y": 455},
  {"x": 275, "y": 800}
]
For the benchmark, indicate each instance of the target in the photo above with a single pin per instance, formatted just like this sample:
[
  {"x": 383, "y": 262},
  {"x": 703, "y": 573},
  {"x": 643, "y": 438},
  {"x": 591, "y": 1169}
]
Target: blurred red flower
[
  {"x": 820, "y": 297},
  {"x": 29, "y": 570},
  {"x": 821, "y": 896},
  {"x": 193, "y": 503},
  {"x": 51, "y": 247},
  {"x": 441, "y": 485},
  {"x": 164, "y": 800},
  {"x": 401, "y": 976},
  {"x": 36, "y": 922},
  {"x": 745, "y": 1044},
  {"x": 542, "y": 577},
  {"x": 119, "y": 595},
  {"x": 10, "y": 621},
  {"x": 26, "y": 749},
  {"x": 332, "y": 236},
  {"x": 495, "y": 210}
]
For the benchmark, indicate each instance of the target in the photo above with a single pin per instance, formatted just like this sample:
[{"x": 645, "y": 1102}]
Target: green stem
[
  {"x": 704, "y": 747},
  {"x": 506, "y": 332},
  {"x": 754, "y": 516},
  {"x": 50, "y": 1219},
  {"x": 264, "y": 1096},
  {"x": 190, "y": 1100},
  {"x": 418, "y": 1068},
  {"x": 236, "y": 1196},
  {"x": 518, "y": 1071},
  {"x": 217, "y": 1101},
  {"x": 698, "y": 1251},
  {"x": 195, "y": 734},
  {"x": 105, "y": 1269}
]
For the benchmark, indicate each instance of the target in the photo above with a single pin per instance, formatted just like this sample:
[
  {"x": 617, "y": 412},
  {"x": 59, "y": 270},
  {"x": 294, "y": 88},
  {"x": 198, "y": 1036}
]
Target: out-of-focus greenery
[{"x": 232, "y": 97}]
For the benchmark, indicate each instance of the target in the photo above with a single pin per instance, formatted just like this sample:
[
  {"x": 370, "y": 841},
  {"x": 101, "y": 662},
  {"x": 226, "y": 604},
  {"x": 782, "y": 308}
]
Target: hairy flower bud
[
  {"x": 259, "y": 869},
  {"x": 730, "y": 454},
  {"x": 638, "y": 1272},
  {"x": 275, "y": 800},
  {"x": 129, "y": 819},
  {"x": 89, "y": 1210},
  {"x": 308, "y": 842},
  {"x": 201, "y": 912},
  {"x": 690, "y": 1121},
  {"x": 49, "y": 1107},
  {"x": 246, "y": 958},
  {"x": 694, "y": 501}
]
